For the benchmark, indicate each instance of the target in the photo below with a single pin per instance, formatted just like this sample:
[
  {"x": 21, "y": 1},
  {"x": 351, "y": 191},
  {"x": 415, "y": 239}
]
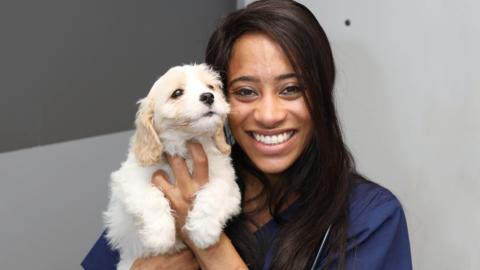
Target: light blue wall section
[{"x": 51, "y": 200}]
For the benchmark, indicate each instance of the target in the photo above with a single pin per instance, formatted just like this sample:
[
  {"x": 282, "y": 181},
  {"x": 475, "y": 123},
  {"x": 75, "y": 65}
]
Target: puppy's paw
[
  {"x": 160, "y": 237},
  {"x": 203, "y": 234}
]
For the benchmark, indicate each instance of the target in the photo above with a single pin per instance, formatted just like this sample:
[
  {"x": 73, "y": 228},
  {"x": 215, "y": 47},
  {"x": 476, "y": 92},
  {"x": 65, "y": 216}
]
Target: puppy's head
[{"x": 186, "y": 102}]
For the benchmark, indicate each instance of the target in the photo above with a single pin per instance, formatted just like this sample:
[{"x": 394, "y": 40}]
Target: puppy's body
[{"x": 139, "y": 219}]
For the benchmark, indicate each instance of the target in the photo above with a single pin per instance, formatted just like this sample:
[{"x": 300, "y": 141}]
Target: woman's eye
[
  {"x": 291, "y": 90},
  {"x": 244, "y": 92}
]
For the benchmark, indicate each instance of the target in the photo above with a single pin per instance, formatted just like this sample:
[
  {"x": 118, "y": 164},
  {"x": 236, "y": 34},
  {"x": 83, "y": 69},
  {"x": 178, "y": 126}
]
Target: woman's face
[{"x": 269, "y": 117}]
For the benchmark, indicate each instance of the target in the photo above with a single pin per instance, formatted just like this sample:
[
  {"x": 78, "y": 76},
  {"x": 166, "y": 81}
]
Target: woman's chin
[{"x": 271, "y": 166}]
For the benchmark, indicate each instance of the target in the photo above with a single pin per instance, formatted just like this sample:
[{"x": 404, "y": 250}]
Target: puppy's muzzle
[{"x": 207, "y": 98}]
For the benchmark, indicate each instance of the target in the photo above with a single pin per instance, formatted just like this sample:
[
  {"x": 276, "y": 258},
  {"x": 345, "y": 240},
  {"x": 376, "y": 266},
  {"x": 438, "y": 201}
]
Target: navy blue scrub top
[{"x": 377, "y": 235}]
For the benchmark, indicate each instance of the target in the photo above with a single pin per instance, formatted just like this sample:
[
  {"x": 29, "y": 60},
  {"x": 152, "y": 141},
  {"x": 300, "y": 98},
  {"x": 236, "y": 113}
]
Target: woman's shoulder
[
  {"x": 367, "y": 196},
  {"x": 377, "y": 233}
]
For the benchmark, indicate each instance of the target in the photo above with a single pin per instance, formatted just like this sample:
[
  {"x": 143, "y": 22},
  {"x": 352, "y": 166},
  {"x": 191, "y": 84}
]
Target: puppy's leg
[
  {"x": 150, "y": 211},
  {"x": 214, "y": 204},
  {"x": 156, "y": 223}
]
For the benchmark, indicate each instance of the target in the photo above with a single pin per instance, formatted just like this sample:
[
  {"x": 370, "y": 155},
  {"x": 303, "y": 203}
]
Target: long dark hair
[{"x": 322, "y": 175}]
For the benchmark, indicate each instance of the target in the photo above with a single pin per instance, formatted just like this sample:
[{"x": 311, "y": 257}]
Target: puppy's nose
[{"x": 207, "y": 98}]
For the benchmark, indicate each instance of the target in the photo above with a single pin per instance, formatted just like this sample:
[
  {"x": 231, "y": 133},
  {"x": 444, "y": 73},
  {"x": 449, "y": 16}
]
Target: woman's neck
[{"x": 256, "y": 206}]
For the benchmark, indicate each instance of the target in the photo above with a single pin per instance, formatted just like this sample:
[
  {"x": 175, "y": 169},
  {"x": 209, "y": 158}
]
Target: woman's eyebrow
[
  {"x": 254, "y": 79},
  {"x": 243, "y": 79},
  {"x": 286, "y": 76}
]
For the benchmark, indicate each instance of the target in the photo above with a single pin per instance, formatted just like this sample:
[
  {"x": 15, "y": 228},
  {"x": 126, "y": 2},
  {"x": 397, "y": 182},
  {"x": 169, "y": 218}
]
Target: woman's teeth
[{"x": 275, "y": 139}]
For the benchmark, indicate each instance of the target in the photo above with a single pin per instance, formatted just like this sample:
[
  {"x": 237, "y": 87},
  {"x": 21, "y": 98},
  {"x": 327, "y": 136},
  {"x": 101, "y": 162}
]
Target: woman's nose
[{"x": 270, "y": 112}]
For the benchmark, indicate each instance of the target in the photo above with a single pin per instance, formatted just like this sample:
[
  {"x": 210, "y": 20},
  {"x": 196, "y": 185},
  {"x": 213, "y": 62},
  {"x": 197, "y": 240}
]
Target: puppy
[{"x": 185, "y": 104}]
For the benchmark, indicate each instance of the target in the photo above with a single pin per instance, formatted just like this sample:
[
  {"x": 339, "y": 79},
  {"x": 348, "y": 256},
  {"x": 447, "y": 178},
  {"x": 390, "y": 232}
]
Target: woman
[{"x": 304, "y": 207}]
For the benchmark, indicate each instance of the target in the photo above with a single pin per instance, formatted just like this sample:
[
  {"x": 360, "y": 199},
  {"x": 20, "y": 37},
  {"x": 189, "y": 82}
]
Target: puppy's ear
[
  {"x": 220, "y": 141},
  {"x": 146, "y": 144}
]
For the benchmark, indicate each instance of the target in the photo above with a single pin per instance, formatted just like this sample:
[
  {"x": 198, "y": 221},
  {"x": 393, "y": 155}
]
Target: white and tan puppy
[{"x": 185, "y": 104}]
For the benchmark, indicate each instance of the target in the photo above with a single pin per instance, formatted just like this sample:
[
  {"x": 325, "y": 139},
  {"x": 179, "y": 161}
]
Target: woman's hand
[
  {"x": 182, "y": 194},
  {"x": 221, "y": 255},
  {"x": 183, "y": 260}
]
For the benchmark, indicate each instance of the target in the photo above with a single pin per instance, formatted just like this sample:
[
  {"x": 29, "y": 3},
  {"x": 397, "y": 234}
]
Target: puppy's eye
[
  {"x": 177, "y": 93},
  {"x": 210, "y": 86}
]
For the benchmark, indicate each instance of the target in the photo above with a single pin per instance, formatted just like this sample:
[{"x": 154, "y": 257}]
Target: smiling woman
[
  {"x": 297, "y": 176},
  {"x": 303, "y": 204}
]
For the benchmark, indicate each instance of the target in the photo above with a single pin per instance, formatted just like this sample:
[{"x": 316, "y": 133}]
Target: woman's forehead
[{"x": 256, "y": 55}]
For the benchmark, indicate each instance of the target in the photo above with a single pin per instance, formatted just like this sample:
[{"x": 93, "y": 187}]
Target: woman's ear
[
  {"x": 146, "y": 144},
  {"x": 220, "y": 141}
]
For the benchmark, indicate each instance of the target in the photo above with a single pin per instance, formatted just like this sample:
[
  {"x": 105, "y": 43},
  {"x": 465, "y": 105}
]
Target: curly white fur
[{"x": 139, "y": 219}]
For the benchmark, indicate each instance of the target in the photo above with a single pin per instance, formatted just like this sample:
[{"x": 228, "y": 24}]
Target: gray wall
[{"x": 72, "y": 69}]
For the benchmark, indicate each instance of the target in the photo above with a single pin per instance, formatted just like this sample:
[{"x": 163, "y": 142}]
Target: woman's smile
[{"x": 272, "y": 142}]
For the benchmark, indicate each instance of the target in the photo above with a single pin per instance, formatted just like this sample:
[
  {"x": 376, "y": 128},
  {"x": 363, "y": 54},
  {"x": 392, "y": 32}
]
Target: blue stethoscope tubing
[{"x": 322, "y": 246}]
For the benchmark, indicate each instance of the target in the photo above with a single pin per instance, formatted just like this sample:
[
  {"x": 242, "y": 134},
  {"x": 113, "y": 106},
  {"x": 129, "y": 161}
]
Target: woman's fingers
[
  {"x": 199, "y": 173},
  {"x": 182, "y": 194},
  {"x": 182, "y": 176},
  {"x": 179, "y": 168},
  {"x": 177, "y": 198},
  {"x": 200, "y": 163},
  {"x": 160, "y": 180}
]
